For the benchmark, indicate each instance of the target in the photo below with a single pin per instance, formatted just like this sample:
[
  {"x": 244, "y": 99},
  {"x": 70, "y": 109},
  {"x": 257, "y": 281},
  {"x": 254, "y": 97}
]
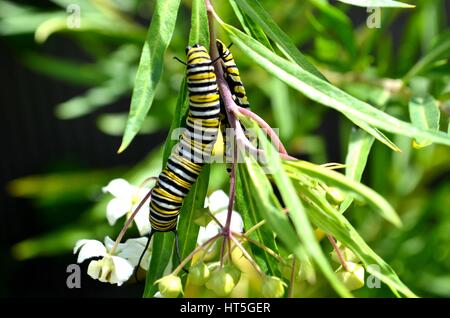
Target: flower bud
[
  {"x": 354, "y": 277},
  {"x": 335, "y": 196},
  {"x": 170, "y": 286},
  {"x": 273, "y": 287},
  {"x": 198, "y": 274},
  {"x": 348, "y": 255},
  {"x": 221, "y": 282},
  {"x": 233, "y": 271}
]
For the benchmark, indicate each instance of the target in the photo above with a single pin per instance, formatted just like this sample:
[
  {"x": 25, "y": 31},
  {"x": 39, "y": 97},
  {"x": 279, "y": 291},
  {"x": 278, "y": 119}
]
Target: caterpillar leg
[{"x": 177, "y": 246}]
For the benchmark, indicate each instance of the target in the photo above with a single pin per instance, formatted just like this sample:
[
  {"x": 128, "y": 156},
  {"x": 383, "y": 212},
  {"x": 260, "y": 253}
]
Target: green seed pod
[
  {"x": 220, "y": 282},
  {"x": 273, "y": 287},
  {"x": 198, "y": 274},
  {"x": 335, "y": 196},
  {"x": 233, "y": 271},
  {"x": 170, "y": 286},
  {"x": 354, "y": 278}
]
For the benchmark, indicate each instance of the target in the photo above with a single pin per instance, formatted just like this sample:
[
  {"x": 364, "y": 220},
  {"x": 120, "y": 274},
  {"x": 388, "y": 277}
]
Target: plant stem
[
  {"x": 261, "y": 246},
  {"x": 247, "y": 256},
  {"x": 188, "y": 258},
  {"x": 293, "y": 272},
  {"x": 261, "y": 122},
  {"x": 338, "y": 252},
  {"x": 128, "y": 222}
]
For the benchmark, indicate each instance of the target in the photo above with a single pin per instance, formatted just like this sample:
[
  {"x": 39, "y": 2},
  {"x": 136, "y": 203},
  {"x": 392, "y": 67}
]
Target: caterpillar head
[{"x": 197, "y": 54}]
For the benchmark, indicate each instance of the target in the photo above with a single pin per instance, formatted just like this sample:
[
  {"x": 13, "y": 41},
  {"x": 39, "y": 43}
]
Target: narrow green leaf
[
  {"x": 262, "y": 18},
  {"x": 331, "y": 221},
  {"x": 359, "y": 147},
  {"x": 378, "y": 3},
  {"x": 67, "y": 70},
  {"x": 194, "y": 201},
  {"x": 424, "y": 112},
  {"x": 199, "y": 24},
  {"x": 278, "y": 93},
  {"x": 248, "y": 208},
  {"x": 94, "y": 98},
  {"x": 338, "y": 25},
  {"x": 181, "y": 110},
  {"x": 250, "y": 27},
  {"x": 330, "y": 177},
  {"x": 327, "y": 94},
  {"x": 440, "y": 50},
  {"x": 296, "y": 210},
  {"x": 163, "y": 244},
  {"x": 150, "y": 66}
]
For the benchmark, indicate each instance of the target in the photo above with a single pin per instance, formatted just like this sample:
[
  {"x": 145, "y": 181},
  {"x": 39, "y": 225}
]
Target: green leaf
[
  {"x": 304, "y": 231},
  {"x": 359, "y": 147},
  {"x": 278, "y": 93},
  {"x": 359, "y": 112},
  {"x": 163, "y": 244},
  {"x": 150, "y": 66},
  {"x": 93, "y": 99},
  {"x": 178, "y": 120},
  {"x": 248, "y": 208},
  {"x": 360, "y": 191},
  {"x": 424, "y": 113},
  {"x": 378, "y": 3},
  {"x": 199, "y": 24},
  {"x": 114, "y": 124},
  {"x": 194, "y": 201},
  {"x": 324, "y": 216},
  {"x": 250, "y": 27},
  {"x": 337, "y": 24},
  {"x": 73, "y": 72},
  {"x": 262, "y": 18},
  {"x": 440, "y": 50}
]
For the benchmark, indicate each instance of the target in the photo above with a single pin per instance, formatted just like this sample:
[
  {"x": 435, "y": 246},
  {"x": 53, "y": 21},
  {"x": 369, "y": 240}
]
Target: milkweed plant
[{"x": 274, "y": 225}]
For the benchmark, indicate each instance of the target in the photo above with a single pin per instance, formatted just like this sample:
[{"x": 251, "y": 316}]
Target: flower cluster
[{"x": 116, "y": 262}]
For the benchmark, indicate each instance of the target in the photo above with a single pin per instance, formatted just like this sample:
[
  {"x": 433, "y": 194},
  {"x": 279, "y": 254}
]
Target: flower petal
[
  {"x": 122, "y": 270},
  {"x": 94, "y": 269},
  {"x": 142, "y": 220},
  {"x": 132, "y": 250},
  {"x": 89, "y": 249},
  {"x": 117, "y": 208},
  {"x": 236, "y": 225},
  {"x": 218, "y": 201},
  {"x": 205, "y": 233},
  {"x": 109, "y": 243},
  {"x": 120, "y": 188}
]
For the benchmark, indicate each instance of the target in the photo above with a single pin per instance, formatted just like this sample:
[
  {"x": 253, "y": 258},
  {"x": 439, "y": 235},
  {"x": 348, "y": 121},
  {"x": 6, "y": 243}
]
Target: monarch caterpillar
[
  {"x": 233, "y": 79},
  {"x": 194, "y": 147}
]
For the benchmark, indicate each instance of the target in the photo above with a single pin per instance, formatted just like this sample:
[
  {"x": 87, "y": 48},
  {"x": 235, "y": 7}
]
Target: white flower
[
  {"x": 113, "y": 268},
  {"x": 126, "y": 198},
  {"x": 218, "y": 205}
]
